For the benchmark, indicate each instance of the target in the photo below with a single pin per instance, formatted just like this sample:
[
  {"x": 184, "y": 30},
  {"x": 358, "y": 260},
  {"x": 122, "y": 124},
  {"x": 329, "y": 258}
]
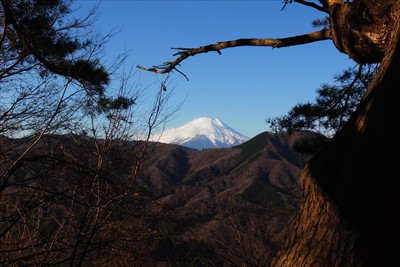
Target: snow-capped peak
[{"x": 203, "y": 133}]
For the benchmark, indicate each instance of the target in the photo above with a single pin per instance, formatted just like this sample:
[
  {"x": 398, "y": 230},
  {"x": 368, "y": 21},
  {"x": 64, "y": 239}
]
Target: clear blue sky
[{"x": 243, "y": 86}]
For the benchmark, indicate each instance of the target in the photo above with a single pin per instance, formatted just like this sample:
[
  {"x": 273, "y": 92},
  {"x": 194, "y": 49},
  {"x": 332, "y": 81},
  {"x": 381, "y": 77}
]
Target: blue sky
[{"x": 243, "y": 86}]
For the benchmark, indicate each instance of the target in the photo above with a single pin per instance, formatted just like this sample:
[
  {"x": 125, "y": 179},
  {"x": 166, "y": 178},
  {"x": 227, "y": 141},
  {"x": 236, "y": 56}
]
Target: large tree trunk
[{"x": 351, "y": 188}]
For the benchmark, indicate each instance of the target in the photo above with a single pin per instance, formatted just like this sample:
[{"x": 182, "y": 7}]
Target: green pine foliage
[
  {"x": 43, "y": 37},
  {"x": 332, "y": 107}
]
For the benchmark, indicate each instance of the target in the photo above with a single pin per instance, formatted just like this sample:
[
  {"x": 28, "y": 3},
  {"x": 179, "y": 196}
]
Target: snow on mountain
[{"x": 203, "y": 133}]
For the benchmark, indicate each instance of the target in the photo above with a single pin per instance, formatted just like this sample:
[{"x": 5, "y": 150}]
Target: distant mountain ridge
[
  {"x": 190, "y": 206},
  {"x": 215, "y": 194},
  {"x": 203, "y": 133}
]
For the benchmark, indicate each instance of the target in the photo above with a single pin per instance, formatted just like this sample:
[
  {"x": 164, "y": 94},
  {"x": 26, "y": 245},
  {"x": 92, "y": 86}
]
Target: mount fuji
[{"x": 202, "y": 133}]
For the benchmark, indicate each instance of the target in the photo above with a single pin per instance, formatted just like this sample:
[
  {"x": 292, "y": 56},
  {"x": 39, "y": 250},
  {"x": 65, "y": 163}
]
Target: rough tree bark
[{"x": 350, "y": 188}]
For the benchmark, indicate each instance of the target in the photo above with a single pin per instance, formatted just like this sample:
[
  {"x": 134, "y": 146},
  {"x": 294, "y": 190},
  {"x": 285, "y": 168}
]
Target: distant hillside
[
  {"x": 251, "y": 189},
  {"x": 220, "y": 206}
]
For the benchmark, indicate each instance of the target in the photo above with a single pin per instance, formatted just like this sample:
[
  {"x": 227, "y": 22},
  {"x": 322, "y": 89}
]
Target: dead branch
[
  {"x": 184, "y": 53},
  {"x": 309, "y": 4}
]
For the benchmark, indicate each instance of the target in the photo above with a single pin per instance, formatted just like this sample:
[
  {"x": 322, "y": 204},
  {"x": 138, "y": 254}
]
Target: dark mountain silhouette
[
  {"x": 222, "y": 206},
  {"x": 237, "y": 201}
]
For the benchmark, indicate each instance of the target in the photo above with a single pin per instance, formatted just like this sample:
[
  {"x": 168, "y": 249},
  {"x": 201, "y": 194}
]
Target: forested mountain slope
[
  {"x": 82, "y": 198},
  {"x": 236, "y": 202}
]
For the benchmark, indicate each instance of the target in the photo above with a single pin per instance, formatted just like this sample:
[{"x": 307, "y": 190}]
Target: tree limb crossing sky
[{"x": 242, "y": 86}]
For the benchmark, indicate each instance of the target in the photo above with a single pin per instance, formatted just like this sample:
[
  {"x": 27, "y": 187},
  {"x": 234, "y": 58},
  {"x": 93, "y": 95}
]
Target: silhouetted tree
[{"x": 332, "y": 107}]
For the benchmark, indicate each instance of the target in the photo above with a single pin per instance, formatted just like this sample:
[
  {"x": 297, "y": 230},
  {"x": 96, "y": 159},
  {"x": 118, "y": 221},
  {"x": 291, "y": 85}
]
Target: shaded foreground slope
[
  {"x": 84, "y": 201},
  {"x": 235, "y": 202}
]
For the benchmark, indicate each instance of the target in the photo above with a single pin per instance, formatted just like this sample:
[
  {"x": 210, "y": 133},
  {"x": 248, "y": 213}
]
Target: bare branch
[
  {"x": 4, "y": 176},
  {"x": 306, "y": 3},
  {"x": 184, "y": 53},
  {"x": 3, "y": 36},
  {"x": 313, "y": 5}
]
